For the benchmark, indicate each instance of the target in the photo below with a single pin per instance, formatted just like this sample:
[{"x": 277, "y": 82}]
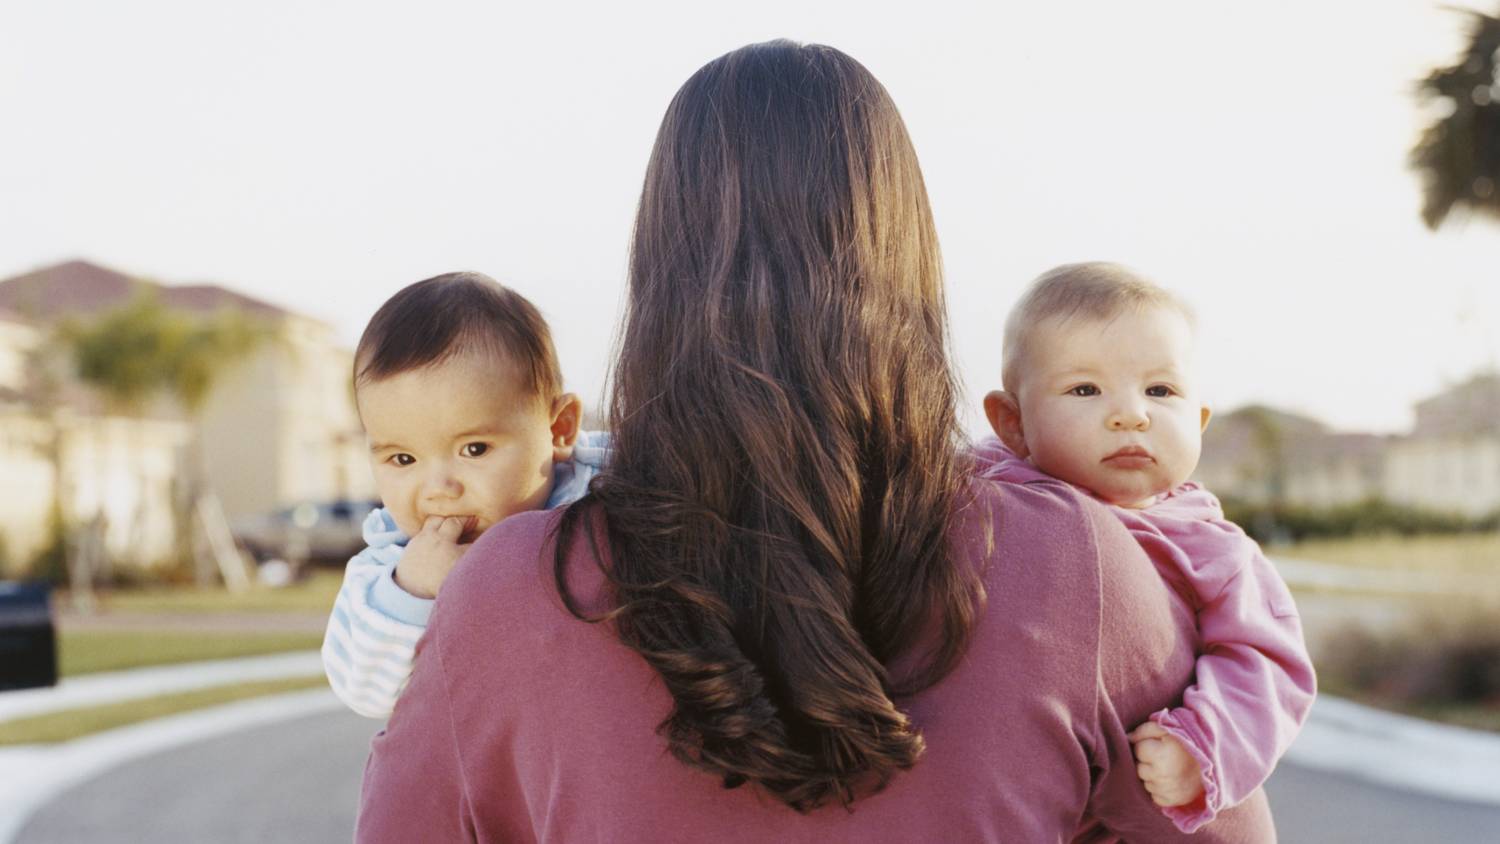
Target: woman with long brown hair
[{"x": 786, "y": 610}]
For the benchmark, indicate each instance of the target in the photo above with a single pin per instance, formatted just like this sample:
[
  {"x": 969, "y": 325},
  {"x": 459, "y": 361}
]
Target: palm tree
[
  {"x": 143, "y": 350},
  {"x": 41, "y": 394},
  {"x": 1458, "y": 154}
]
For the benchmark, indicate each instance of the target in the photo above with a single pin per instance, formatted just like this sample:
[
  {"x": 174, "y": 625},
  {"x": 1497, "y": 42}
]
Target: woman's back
[{"x": 523, "y": 723}]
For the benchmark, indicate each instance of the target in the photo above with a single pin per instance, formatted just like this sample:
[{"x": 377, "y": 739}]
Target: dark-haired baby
[{"x": 461, "y": 399}]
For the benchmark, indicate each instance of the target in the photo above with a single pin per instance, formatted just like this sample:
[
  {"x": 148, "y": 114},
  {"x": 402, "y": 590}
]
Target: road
[{"x": 298, "y": 781}]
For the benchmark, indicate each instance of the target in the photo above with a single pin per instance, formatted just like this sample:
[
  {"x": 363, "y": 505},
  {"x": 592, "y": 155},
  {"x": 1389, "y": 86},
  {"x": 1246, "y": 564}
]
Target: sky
[{"x": 321, "y": 156}]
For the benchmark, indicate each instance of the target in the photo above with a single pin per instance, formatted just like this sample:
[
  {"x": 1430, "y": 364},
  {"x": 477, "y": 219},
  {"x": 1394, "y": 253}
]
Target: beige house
[
  {"x": 68, "y": 453},
  {"x": 281, "y": 427},
  {"x": 1451, "y": 461},
  {"x": 278, "y": 428},
  {"x": 1262, "y": 454}
]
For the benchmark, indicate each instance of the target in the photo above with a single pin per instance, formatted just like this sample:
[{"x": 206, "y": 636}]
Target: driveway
[{"x": 298, "y": 781}]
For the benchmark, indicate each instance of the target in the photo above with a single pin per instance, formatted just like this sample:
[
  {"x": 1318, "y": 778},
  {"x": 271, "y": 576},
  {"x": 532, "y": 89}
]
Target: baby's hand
[
  {"x": 1171, "y": 774},
  {"x": 431, "y": 554}
]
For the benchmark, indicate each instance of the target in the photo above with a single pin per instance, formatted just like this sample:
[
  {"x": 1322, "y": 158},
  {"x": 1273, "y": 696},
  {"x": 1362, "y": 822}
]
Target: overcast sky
[{"x": 322, "y": 155}]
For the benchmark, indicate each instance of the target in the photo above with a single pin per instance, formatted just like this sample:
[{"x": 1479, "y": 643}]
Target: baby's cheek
[{"x": 1060, "y": 464}]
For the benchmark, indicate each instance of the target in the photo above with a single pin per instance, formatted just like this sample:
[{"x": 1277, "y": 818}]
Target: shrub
[
  {"x": 1271, "y": 523},
  {"x": 1441, "y": 660}
]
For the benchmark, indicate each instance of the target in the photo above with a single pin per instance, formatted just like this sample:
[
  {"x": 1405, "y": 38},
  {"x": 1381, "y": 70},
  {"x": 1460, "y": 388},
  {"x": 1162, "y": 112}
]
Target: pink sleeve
[
  {"x": 1145, "y": 644},
  {"x": 1254, "y": 680}
]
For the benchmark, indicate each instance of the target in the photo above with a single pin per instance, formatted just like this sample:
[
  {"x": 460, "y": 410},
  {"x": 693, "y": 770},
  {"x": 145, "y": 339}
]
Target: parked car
[{"x": 325, "y": 532}]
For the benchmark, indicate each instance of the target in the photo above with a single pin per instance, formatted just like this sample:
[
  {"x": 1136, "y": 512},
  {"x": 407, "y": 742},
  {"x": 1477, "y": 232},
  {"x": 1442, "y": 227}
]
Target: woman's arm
[{"x": 414, "y": 785}]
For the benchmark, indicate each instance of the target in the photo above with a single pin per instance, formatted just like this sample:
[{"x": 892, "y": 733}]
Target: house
[
  {"x": 60, "y": 450},
  {"x": 1261, "y": 454},
  {"x": 1451, "y": 460},
  {"x": 278, "y": 428}
]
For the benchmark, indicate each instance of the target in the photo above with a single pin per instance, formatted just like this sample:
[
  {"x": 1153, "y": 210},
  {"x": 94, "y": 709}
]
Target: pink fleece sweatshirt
[
  {"x": 1254, "y": 680},
  {"x": 522, "y": 723}
]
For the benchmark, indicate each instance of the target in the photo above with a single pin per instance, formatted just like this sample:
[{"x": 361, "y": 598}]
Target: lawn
[
  {"x": 315, "y": 594},
  {"x": 166, "y": 625},
  {"x": 135, "y": 628},
  {"x": 89, "y": 651},
  {"x": 1474, "y": 554}
]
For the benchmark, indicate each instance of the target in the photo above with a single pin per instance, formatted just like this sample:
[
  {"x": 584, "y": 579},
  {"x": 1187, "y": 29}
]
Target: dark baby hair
[{"x": 432, "y": 320}]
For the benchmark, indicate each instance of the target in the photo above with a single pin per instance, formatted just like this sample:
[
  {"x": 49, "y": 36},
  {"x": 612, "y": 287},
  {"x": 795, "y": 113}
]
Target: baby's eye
[
  {"x": 1084, "y": 391},
  {"x": 1159, "y": 391},
  {"x": 402, "y": 459},
  {"x": 475, "y": 449}
]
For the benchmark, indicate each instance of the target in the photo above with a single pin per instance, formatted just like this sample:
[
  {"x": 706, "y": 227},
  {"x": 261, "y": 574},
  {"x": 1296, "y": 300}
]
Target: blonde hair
[{"x": 1094, "y": 290}]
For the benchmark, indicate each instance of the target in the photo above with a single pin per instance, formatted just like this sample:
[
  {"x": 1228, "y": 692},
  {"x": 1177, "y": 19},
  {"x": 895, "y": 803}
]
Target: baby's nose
[
  {"x": 443, "y": 484},
  {"x": 1129, "y": 418}
]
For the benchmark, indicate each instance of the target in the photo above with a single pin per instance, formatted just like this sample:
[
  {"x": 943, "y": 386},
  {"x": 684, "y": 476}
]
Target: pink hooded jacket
[{"x": 1255, "y": 681}]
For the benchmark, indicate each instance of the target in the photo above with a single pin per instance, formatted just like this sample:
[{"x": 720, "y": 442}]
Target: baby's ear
[
  {"x": 567, "y": 416},
  {"x": 1204, "y": 412},
  {"x": 1004, "y": 413}
]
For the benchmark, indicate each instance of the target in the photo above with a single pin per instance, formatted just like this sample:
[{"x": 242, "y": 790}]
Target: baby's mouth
[
  {"x": 1130, "y": 457},
  {"x": 471, "y": 529}
]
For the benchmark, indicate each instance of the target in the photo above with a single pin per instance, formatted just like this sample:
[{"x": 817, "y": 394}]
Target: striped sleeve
[{"x": 368, "y": 649}]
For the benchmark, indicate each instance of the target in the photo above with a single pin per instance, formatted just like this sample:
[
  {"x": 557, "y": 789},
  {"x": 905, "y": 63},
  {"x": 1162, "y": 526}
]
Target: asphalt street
[{"x": 298, "y": 781}]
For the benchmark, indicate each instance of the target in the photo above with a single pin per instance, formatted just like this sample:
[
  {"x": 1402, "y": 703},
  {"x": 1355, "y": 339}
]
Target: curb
[
  {"x": 32, "y": 775},
  {"x": 1400, "y": 751},
  {"x": 117, "y": 686}
]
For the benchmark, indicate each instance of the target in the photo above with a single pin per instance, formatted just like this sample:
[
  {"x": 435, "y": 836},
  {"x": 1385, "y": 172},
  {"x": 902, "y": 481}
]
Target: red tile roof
[{"x": 78, "y": 287}]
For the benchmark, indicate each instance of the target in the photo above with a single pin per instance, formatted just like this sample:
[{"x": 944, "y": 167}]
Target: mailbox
[{"x": 28, "y": 644}]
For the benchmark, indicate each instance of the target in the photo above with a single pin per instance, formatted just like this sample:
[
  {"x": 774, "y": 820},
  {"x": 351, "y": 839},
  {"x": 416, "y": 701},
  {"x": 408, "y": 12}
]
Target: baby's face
[
  {"x": 459, "y": 438},
  {"x": 1110, "y": 405}
]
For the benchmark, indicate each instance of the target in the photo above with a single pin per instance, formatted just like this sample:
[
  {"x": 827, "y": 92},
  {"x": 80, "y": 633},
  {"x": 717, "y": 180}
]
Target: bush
[
  {"x": 1272, "y": 523},
  {"x": 1440, "y": 661},
  {"x": 50, "y": 563}
]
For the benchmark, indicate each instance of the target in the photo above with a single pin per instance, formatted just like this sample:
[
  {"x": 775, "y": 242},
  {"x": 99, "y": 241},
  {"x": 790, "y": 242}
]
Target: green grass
[
  {"x": 88, "y": 651},
  {"x": 1474, "y": 554},
  {"x": 70, "y": 724},
  {"x": 313, "y": 595}
]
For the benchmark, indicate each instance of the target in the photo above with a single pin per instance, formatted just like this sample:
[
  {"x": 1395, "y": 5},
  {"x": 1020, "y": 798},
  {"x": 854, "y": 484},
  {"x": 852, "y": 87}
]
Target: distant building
[
  {"x": 1262, "y": 454},
  {"x": 277, "y": 429},
  {"x": 1449, "y": 462},
  {"x": 1469, "y": 409},
  {"x": 65, "y": 452}
]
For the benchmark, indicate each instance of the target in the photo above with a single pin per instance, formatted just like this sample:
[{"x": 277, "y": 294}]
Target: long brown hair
[{"x": 786, "y": 458}]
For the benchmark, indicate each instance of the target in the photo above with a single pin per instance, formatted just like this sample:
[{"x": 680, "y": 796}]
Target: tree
[
  {"x": 143, "y": 350},
  {"x": 41, "y": 394},
  {"x": 1458, "y": 154}
]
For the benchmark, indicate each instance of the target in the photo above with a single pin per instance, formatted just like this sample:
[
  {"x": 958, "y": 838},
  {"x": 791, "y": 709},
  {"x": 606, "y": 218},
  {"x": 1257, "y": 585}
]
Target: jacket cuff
[
  {"x": 393, "y": 602},
  {"x": 1189, "y": 817}
]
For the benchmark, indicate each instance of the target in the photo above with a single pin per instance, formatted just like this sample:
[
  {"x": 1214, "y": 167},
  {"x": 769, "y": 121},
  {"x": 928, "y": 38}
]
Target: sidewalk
[
  {"x": 32, "y": 775},
  {"x": 116, "y": 686},
  {"x": 1341, "y": 736}
]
